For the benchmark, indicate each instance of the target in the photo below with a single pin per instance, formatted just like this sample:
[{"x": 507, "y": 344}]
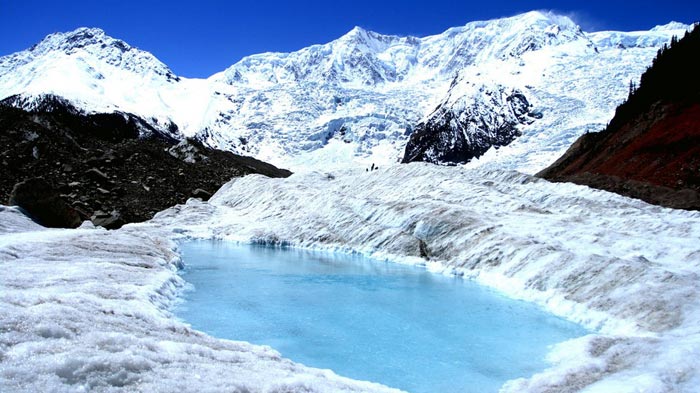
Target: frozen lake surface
[{"x": 365, "y": 319}]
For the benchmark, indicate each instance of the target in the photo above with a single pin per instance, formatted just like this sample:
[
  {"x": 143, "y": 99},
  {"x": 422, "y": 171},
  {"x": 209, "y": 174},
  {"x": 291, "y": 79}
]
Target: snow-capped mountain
[
  {"x": 96, "y": 73},
  {"x": 83, "y": 47},
  {"x": 357, "y": 99},
  {"x": 364, "y": 58}
]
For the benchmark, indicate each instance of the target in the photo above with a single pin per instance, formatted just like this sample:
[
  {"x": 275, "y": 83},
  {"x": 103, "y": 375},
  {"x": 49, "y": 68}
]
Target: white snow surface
[
  {"x": 354, "y": 101},
  {"x": 88, "y": 309}
]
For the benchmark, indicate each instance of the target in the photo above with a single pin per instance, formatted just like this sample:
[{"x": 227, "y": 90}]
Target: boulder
[
  {"x": 43, "y": 204},
  {"x": 112, "y": 220},
  {"x": 97, "y": 175},
  {"x": 201, "y": 194}
]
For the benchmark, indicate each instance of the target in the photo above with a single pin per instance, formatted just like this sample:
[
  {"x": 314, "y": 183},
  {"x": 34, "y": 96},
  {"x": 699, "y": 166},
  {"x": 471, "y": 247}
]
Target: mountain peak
[
  {"x": 513, "y": 36},
  {"x": 357, "y": 33},
  {"x": 673, "y": 25},
  {"x": 90, "y": 50},
  {"x": 546, "y": 18},
  {"x": 86, "y": 32},
  {"x": 356, "y": 30},
  {"x": 82, "y": 37},
  {"x": 536, "y": 14}
]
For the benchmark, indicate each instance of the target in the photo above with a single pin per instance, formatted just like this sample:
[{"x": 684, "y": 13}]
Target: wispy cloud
[{"x": 584, "y": 19}]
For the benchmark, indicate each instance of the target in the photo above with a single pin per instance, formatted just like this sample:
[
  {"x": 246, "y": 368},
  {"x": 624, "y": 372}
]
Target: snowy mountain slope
[
  {"x": 421, "y": 69},
  {"x": 573, "y": 88},
  {"x": 468, "y": 123},
  {"x": 357, "y": 99}
]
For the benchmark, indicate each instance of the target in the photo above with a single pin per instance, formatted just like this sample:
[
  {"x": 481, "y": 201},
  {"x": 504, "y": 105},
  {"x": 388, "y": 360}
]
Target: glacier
[
  {"x": 356, "y": 100},
  {"x": 89, "y": 309}
]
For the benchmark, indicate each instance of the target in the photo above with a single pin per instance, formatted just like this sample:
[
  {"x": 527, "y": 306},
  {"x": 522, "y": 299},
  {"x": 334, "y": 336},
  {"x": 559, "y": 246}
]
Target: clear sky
[{"x": 200, "y": 37}]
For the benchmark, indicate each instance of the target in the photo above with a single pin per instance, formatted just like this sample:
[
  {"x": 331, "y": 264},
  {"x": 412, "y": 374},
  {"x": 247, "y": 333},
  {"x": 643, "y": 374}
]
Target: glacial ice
[
  {"x": 89, "y": 309},
  {"x": 616, "y": 265}
]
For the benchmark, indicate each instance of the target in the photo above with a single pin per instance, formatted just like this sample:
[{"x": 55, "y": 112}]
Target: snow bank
[{"x": 87, "y": 309}]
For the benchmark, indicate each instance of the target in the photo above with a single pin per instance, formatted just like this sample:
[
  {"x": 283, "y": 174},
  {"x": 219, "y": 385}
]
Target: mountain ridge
[
  {"x": 436, "y": 62},
  {"x": 353, "y": 101}
]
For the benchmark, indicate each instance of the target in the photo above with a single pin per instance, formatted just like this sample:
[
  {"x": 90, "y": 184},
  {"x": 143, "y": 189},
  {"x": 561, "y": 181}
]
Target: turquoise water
[{"x": 398, "y": 325}]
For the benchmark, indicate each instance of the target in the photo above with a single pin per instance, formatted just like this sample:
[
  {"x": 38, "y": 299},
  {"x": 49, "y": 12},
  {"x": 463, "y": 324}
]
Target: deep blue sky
[{"x": 199, "y": 38}]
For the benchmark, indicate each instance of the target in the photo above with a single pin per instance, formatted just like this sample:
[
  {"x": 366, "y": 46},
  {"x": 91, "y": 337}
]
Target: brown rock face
[{"x": 654, "y": 158}]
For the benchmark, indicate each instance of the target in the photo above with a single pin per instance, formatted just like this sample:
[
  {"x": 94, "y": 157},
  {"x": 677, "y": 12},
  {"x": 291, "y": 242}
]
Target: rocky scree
[{"x": 105, "y": 167}]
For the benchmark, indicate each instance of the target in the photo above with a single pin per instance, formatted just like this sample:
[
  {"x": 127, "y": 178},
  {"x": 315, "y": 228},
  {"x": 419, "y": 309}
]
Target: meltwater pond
[{"x": 398, "y": 325}]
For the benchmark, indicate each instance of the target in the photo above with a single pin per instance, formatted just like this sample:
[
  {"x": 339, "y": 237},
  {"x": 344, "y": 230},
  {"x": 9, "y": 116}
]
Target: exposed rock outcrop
[{"x": 468, "y": 123}]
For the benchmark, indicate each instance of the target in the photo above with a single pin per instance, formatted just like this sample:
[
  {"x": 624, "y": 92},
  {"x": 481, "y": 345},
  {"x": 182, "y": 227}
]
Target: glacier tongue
[{"x": 356, "y": 100}]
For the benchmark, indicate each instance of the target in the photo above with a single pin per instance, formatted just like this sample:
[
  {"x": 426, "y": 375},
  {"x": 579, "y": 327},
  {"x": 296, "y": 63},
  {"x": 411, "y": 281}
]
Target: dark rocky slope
[
  {"x": 651, "y": 148},
  {"x": 465, "y": 127},
  {"x": 111, "y": 168}
]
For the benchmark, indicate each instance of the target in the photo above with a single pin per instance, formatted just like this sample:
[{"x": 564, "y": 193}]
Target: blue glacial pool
[{"x": 365, "y": 319}]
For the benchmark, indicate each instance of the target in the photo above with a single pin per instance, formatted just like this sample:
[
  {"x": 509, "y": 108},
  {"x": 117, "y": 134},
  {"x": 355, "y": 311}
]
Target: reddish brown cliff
[{"x": 651, "y": 149}]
